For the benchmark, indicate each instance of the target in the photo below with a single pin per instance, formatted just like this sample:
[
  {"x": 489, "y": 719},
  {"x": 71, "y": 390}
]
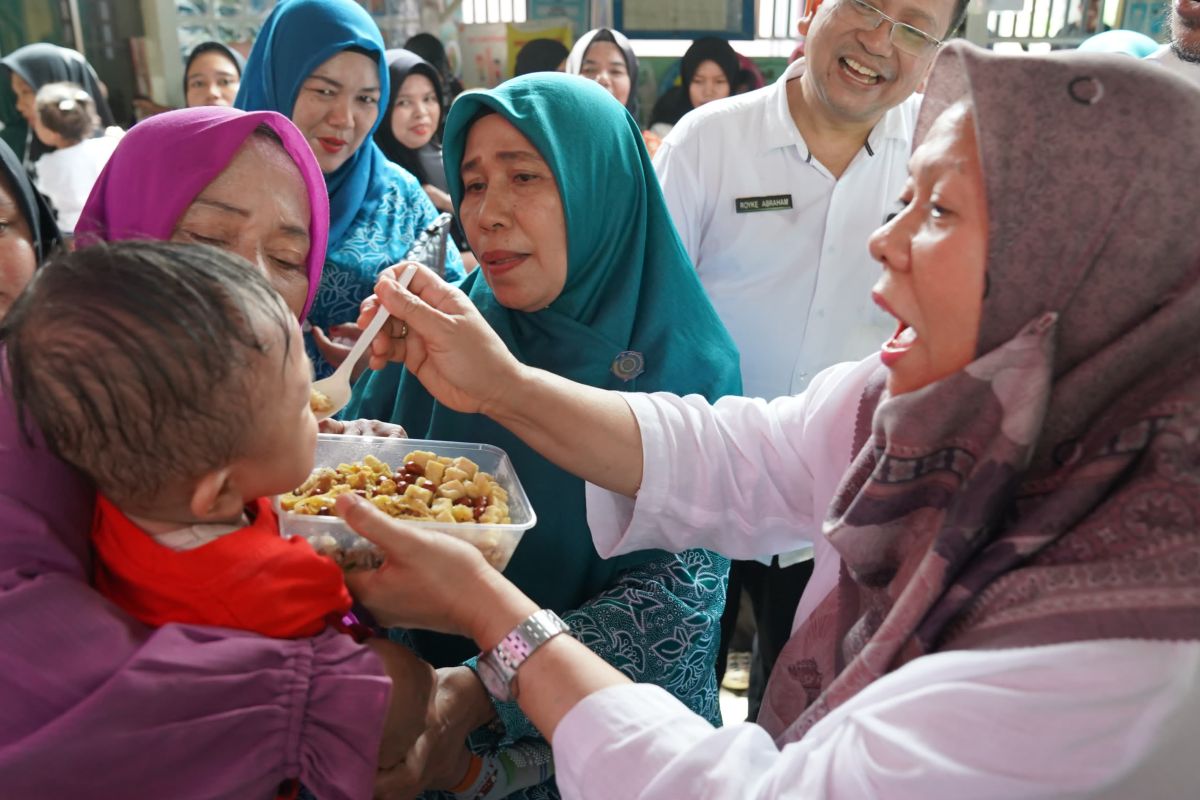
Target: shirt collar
[{"x": 780, "y": 130}]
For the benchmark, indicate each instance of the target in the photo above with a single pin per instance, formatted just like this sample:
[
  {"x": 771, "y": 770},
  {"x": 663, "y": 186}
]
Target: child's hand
[
  {"x": 439, "y": 759},
  {"x": 335, "y": 346},
  {"x": 361, "y": 427},
  {"x": 412, "y": 705}
]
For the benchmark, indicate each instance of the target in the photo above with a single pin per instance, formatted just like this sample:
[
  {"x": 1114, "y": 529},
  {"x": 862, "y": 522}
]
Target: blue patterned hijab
[{"x": 298, "y": 37}]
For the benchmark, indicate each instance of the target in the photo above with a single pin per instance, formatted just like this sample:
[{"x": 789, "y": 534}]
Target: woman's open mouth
[
  {"x": 902, "y": 340},
  {"x": 900, "y": 343},
  {"x": 331, "y": 144}
]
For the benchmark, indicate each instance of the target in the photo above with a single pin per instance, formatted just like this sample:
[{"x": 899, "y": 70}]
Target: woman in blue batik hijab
[
  {"x": 602, "y": 293},
  {"x": 321, "y": 63}
]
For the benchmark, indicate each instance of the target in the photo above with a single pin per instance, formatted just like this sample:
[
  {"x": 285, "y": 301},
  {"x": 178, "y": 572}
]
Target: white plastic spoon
[{"x": 336, "y": 388}]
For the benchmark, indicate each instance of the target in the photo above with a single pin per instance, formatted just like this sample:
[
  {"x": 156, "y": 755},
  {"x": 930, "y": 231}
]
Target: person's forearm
[
  {"x": 589, "y": 432},
  {"x": 557, "y": 675}
]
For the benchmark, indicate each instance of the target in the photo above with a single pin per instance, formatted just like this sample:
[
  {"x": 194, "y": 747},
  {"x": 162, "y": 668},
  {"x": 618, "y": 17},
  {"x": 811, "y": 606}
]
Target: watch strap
[{"x": 497, "y": 668}]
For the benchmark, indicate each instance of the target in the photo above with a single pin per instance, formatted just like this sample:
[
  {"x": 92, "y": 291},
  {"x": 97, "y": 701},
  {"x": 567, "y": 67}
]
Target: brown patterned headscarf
[{"x": 1050, "y": 491}]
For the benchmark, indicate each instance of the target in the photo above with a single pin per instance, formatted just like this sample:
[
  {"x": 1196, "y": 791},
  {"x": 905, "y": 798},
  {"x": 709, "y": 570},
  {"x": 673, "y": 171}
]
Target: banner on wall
[
  {"x": 575, "y": 12},
  {"x": 484, "y": 54},
  {"x": 684, "y": 19}
]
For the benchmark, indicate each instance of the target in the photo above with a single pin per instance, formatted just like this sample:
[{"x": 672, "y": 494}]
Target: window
[
  {"x": 477, "y": 11},
  {"x": 777, "y": 18}
]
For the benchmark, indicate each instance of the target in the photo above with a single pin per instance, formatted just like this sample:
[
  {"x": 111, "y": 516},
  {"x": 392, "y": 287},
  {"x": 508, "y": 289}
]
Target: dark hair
[
  {"x": 68, "y": 110},
  {"x": 540, "y": 55},
  {"x": 960, "y": 15},
  {"x": 136, "y": 360},
  {"x": 430, "y": 48}
]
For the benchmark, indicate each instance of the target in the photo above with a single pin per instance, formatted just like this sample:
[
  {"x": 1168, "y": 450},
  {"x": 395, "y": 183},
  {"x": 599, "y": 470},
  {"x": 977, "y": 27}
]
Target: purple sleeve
[{"x": 96, "y": 705}]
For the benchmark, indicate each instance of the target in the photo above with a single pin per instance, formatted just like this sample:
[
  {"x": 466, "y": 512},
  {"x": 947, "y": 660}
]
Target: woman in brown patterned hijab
[
  {"x": 1017, "y": 613},
  {"x": 1048, "y": 492}
]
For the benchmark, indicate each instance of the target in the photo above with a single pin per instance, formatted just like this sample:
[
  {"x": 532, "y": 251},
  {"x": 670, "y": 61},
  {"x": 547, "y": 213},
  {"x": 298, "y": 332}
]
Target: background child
[{"x": 66, "y": 119}]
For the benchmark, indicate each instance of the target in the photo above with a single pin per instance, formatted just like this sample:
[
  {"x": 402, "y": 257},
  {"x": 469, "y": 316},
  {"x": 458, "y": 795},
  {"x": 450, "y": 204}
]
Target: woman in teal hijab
[
  {"x": 630, "y": 315},
  {"x": 321, "y": 63}
]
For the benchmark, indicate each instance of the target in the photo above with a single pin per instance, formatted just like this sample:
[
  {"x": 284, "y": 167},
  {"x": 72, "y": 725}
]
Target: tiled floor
[{"x": 733, "y": 707}]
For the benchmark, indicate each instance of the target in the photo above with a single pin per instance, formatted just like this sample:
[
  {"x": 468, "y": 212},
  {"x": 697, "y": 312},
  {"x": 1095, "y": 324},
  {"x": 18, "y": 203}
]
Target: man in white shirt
[
  {"x": 775, "y": 193},
  {"x": 1182, "y": 54}
]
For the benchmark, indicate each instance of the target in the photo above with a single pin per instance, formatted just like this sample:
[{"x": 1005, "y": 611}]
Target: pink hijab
[
  {"x": 165, "y": 161},
  {"x": 1049, "y": 492}
]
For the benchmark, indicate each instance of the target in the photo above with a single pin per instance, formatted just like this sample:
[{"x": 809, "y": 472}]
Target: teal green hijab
[{"x": 632, "y": 316}]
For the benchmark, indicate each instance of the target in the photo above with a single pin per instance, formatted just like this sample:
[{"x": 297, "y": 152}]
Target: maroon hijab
[{"x": 1049, "y": 492}]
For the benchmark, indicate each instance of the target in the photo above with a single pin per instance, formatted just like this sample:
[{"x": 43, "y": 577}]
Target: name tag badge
[{"x": 770, "y": 202}]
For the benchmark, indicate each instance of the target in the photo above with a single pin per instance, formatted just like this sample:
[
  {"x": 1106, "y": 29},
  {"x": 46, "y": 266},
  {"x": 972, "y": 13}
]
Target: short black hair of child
[{"x": 135, "y": 360}]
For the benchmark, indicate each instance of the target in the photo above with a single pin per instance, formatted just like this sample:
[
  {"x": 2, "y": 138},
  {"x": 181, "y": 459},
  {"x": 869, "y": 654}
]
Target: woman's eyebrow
[
  {"x": 292, "y": 231},
  {"x": 295, "y": 232},
  {"x": 614, "y": 61},
  {"x": 199, "y": 73},
  {"x": 222, "y": 206},
  {"x": 504, "y": 155},
  {"x": 315, "y": 77}
]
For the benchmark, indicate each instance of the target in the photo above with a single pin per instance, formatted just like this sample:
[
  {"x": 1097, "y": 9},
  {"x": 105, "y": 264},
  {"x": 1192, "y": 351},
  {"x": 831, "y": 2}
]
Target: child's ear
[{"x": 214, "y": 496}]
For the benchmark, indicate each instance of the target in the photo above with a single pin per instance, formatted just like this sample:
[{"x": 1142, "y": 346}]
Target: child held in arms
[
  {"x": 66, "y": 119},
  {"x": 175, "y": 378}
]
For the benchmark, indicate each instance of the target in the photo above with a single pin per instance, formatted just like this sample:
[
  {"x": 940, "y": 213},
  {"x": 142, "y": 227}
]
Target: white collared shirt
[
  {"x": 1112, "y": 719},
  {"x": 1115, "y": 719},
  {"x": 742, "y": 476},
  {"x": 1167, "y": 56},
  {"x": 791, "y": 282}
]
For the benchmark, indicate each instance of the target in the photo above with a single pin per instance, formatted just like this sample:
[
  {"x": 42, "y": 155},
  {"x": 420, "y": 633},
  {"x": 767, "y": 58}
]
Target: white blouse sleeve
[
  {"x": 1102, "y": 719},
  {"x": 743, "y": 477}
]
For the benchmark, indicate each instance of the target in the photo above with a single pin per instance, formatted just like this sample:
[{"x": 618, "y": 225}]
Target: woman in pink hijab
[
  {"x": 96, "y": 704},
  {"x": 241, "y": 181}
]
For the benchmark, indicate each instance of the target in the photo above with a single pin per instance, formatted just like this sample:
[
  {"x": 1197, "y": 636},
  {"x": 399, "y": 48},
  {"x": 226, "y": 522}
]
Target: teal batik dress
[{"x": 632, "y": 316}]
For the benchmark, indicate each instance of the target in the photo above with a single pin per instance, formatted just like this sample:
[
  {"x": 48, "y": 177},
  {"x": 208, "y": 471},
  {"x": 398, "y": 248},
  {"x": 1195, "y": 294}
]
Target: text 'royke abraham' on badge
[{"x": 770, "y": 202}]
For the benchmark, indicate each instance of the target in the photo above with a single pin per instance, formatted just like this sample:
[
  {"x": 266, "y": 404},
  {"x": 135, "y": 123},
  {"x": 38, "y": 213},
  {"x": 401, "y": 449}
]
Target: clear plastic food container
[{"x": 331, "y": 536}]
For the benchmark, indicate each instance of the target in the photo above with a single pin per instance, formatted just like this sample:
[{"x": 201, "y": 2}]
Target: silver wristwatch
[{"x": 497, "y": 668}]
